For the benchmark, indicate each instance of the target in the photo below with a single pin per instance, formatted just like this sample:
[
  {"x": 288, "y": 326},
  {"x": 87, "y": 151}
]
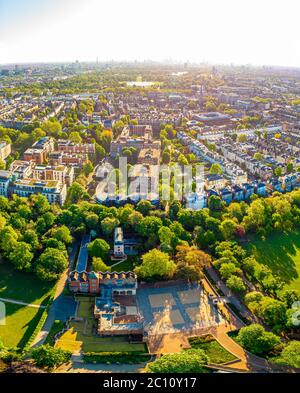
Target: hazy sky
[{"x": 216, "y": 31}]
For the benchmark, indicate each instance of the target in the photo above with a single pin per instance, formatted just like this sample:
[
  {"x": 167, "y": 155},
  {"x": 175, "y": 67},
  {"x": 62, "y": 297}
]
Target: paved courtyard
[{"x": 176, "y": 308}]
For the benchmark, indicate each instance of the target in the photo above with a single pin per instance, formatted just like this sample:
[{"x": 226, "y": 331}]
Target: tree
[
  {"x": 108, "y": 224},
  {"x": 54, "y": 243},
  {"x": 92, "y": 221},
  {"x": 182, "y": 160},
  {"x": 228, "y": 228},
  {"x": 105, "y": 139},
  {"x": 8, "y": 239},
  {"x": 149, "y": 225},
  {"x": 289, "y": 297},
  {"x": 188, "y": 273},
  {"x": 168, "y": 239},
  {"x": 52, "y": 128},
  {"x": 31, "y": 237},
  {"x": 76, "y": 193},
  {"x": 242, "y": 138},
  {"x": 258, "y": 156},
  {"x": 273, "y": 312},
  {"x": 278, "y": 171},
  {"x": 135, "y": 218},
  {"x": 156, "y": 263},
  {"x": 144, "y": 207},
  {"x": 165, "y": 157},
  {"x": 216, "y": 169},
  {"x": 290, "y": 354},
  {"x": 40, "y": 205},
  {"x": 214, "y": 203},
  {"x": 99, "y": 248},
  {"x": 210, "y": 106},
  {"x": 99, "y": 266},
  {"x": 62, "y": 234},
  {"x": 50, "y": 357},
  {"x": 228, "y": 269},
  {"x": 2, "y": 222},
  {"x": 75, "y": 137},
  {"x": 289, "y": 167},
  {"x": 100, "y": 152},
  {"x": 118, "y": 127},
  {"x": 21, "y": 256},
  {"x": 51, "y": 264},
  {"x": 87, "y": 168},
  {"x": 192, "y": 256},
  {"x": 37, "y": 134},
  {"x": 189, "y": 361},
  {"x": 258, "y": 217},
  {"x": 271, "y": 284},
  {"x": 255, "y": 339},
  {"x": 236, "y": 284},
  {"x": 253, "y": 297}
]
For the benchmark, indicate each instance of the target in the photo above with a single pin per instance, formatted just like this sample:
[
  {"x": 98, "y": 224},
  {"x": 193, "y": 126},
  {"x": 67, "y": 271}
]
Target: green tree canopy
[
  {"x": 99, "y": 248},
  {"x": 51, "y": 264},
  {"x": 156, "y": 263},
  {"x": 189, "y": 361},
  {"x": 50, "y": 357},
  {"x": 255, "y": 339}
]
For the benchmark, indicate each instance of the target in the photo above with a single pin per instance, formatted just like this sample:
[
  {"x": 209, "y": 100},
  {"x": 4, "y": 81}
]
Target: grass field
[
  {"x": 124, "y": 266},
  {"x": 22, "y": 286},
  {"x": 280, "y": 252},
  {"x": 21, "y": 320},
  {"x": 20, "y": 324},
  {"x": 216, "y": 353}
]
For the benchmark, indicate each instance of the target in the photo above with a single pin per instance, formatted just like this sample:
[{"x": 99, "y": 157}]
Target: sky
[{"x": 258, "y": 32}]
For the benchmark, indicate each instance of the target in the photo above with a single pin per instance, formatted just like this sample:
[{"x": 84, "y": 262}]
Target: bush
[
  {"x": 290, "y": 355},
  {"x": 255, "y": 339},
  {"x": 253, "y": 297},
  {"x": 116, "y": 357},
  {"x": 190, "y": 361},
  {"x": 236, "y": 284},
  {"x": 49, "y": 357}
]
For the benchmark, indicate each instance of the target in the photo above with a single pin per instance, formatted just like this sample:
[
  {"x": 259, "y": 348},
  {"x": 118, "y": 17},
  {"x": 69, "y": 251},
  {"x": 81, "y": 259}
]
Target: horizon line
[{"x": 161, "y": 62}]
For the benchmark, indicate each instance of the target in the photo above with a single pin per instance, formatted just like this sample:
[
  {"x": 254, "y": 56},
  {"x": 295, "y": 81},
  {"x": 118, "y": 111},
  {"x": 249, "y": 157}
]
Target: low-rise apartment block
[
  {"x": 5, "y": 177},
  {"x": 68, "y": 159},
  {"x": 70, "y": 147},
  {"x": 137, "y": 136},
  {"x": 39, "y": 150},
  {"x": 5, "y": 150},
  {"x": 61, "y": 173},
  {"x": 53, "y": 190}
]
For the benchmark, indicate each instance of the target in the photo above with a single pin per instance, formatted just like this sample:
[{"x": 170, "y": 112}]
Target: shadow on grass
[
  {"x": 22, "y": 286},
  {"x": 31, "y": 325},
  {"x": 19, "y": 324}
]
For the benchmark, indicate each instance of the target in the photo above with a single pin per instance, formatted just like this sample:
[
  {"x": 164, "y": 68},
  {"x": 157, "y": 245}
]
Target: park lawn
[
  {"x": 281, "y": 253},
  {"x": 20, "y": 324},
  {"x": 124, "y": 266},
  {"x": 85, "y": 309},
  {"x": 215, "y": 352},
  {"x": 128, "y": 265},
  {"x": 25, "y": 287}
]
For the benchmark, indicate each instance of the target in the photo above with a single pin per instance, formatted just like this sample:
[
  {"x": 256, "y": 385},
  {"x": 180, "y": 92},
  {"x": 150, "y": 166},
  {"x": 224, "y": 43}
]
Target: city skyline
[{"x": 256, "y": 33}]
